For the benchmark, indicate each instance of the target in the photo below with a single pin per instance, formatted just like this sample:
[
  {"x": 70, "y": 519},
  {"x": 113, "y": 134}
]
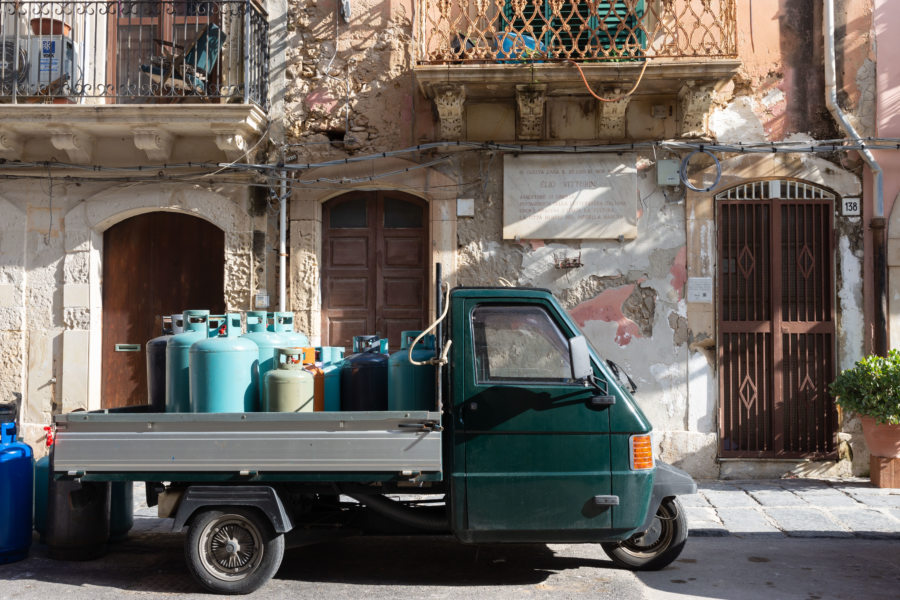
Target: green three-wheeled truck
[{"x": 532, "y": 438}]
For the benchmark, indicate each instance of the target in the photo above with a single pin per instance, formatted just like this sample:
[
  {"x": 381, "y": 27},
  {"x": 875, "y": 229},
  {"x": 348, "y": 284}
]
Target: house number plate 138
[{"x": 851, "y": 207}]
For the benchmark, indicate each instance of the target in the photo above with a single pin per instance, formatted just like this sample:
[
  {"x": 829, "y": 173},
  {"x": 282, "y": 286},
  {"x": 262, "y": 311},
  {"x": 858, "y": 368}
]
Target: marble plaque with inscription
[{"x": 570, "y": 196}]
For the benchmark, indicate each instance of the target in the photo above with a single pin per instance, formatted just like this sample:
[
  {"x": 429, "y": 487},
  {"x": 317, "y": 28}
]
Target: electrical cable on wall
[{"x": 683, "y": 171}]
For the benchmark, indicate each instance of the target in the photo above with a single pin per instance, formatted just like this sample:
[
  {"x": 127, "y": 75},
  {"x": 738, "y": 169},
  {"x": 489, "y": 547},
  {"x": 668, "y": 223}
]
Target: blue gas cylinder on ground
[
  {"x": 223, "y": 372},
  {"x": 364, "y": 376},
  {"x": 282, "y": 323},
  {"x": 411, "y": 387},
  {"x": 268, "y": 342},
  {"x": 178, "y": 381},
  {"x": 16, "y": 489}
]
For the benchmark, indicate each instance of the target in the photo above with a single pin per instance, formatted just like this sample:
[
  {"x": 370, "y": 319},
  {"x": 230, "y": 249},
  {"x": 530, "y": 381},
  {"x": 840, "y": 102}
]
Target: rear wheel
[
  {"x": 658, "y": 546},
  {"x": 232, "y": 551}
]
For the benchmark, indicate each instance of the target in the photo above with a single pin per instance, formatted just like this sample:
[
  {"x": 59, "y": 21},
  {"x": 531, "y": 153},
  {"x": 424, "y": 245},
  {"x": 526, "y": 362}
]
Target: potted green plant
[{"x": 872, "y": 390}]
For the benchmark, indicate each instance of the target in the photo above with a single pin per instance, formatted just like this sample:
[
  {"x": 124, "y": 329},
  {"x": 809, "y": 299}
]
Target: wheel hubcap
[{"x": 231, "y": 547}]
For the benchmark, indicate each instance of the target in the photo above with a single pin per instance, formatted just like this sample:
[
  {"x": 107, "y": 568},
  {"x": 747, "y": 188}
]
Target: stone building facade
[{"x": 377, "y": 101}]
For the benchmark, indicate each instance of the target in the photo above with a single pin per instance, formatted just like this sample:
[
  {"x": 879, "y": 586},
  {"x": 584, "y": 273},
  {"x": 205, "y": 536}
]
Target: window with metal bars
[{"x": 584, "y": 29}]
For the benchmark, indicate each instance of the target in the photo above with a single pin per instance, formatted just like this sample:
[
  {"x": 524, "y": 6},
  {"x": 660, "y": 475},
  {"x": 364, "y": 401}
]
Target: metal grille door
[{"x": 776, "y": 321}]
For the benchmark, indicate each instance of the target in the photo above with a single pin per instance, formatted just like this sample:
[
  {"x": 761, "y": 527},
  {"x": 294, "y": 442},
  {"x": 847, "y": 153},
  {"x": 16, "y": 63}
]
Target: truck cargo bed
[{"x": 400, "y": 442}]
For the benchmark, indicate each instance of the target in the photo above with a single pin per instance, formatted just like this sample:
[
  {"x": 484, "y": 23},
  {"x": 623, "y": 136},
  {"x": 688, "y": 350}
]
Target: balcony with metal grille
[
  {"x": 489, "y": 49},
  {"x": 154, "y": 69}
]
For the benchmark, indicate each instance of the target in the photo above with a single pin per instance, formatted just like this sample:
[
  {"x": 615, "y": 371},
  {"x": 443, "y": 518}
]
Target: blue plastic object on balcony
[{"x": 518, "y": 48}]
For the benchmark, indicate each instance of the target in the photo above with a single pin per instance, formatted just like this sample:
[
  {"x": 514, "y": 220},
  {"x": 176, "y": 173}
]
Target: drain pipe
[
  {"x": 880, "y": 344},
  {"x": 282, "y": 244}
]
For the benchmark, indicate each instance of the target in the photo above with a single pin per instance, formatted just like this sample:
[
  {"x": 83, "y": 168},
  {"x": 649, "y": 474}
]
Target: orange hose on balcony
[{"x": 622, "y": 97}]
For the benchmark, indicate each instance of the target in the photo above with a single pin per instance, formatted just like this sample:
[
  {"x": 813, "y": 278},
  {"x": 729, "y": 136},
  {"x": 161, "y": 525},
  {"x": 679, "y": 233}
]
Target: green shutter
[{"x": 612, "y": 14}]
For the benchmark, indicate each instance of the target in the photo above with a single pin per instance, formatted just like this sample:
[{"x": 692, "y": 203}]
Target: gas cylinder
[
  {"x": 331, "y": 358},
  {"x": 282, "y": 323},
  {"x": 289, "y": 387},
  {"x": 41, "y": 489},
  {"x": 223, "y": 372},
  {"x": 411, "y": 387},
  {"x": 267, "y": 342},
  {"x": 16, "y": 489},
  {"x": 121, "y": 510},
  {"x": 178, "y": 381},
  {"x": 77, "y": 519},
  {"x": 314, "y": 367},
  {"x": 364, "y": 376},
  {"x": 156, "y": 366}
]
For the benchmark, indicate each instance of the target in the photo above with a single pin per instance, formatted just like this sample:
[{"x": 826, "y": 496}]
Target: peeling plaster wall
[{"x": 50, "y": 288}]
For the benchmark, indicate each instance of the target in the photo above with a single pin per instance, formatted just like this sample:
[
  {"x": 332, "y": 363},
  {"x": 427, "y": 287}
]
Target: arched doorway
[
  {"x": 154, "y": 264},
  {"x": 375, "y": 267},
  {"x": 776, "y": 320}
]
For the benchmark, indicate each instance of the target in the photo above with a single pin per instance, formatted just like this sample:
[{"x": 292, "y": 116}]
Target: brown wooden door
[
  {"x": 154, "y": 264},
  {"x": 375, "y": 266},
  {"x": 776, "y": 321}
]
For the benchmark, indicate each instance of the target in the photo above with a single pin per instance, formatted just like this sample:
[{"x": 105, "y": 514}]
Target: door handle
[
  {"x": 603, "y": 400},
  {"x": 128, "y": 347}
]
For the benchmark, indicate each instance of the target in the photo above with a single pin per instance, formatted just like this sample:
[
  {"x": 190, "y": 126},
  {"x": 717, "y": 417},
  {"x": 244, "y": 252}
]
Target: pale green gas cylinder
[
  {"x": 224, "y": 372},
  {"x": 289, "y": 387},
  {"x": 178, "y": 381},
  {"x": 267, "y": 341},
  {"x": 282, "y": 323},
  {"x": 411, "y": 387}
]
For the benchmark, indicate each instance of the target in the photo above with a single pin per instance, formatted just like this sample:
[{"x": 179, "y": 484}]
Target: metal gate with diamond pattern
[{"x": 776, "y": 320}]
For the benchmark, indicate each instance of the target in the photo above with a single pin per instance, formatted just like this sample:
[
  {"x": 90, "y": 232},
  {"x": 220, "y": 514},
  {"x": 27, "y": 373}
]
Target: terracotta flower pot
[
  {"x": 882, "y": 440},
  {"x": 47, "y": 26}
]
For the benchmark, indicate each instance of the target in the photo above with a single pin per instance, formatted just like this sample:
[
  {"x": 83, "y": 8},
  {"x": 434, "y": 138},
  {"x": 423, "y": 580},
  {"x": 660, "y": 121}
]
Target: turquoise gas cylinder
[
  {"x": 411, "y": 387},
  {"x": 282, "y": 323},
  {"x": 332, "y": 358},
  {"x": 223, "y": 373},
  {"x": 178, "y": 381},
  {"x": 267, "y": 342},
  {"x": 121, "y": 510},
  {"x": 16, "y": 495},
  {"x": 289, "y": 387}
]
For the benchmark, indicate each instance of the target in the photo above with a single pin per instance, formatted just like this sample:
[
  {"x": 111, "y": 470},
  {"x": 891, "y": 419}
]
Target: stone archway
[{"x": 82, "y": 294}]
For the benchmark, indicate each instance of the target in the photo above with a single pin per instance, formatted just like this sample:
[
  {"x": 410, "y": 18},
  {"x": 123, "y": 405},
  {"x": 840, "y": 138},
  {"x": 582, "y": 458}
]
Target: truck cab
[{"x": 532, "y": 438}]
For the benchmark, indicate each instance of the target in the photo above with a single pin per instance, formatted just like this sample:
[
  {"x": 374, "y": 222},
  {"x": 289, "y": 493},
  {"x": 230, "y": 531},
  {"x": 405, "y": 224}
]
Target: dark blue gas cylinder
[
  {"x": 121, "y": 510},
  {"x": 156, "y": 364},
  {"x": 364, "y": 377},
  {"x": 16, "y": 495}
]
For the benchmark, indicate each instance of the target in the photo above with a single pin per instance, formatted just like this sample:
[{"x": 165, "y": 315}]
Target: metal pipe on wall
[
  {"x": 878, "y": 222},
  {"x": 282, "y": 243}
]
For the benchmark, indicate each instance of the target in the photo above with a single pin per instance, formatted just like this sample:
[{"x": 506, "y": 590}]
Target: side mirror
[{"x": 580, "y": 358}]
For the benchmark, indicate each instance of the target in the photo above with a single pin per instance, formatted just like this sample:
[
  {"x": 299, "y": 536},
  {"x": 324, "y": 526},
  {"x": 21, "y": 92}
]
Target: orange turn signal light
[{"x": 641, "y": 452}]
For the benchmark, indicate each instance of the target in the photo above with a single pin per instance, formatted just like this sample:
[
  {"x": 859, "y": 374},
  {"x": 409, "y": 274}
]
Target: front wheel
[
  {"x": 657, "y": 547},
  {"x": 233, "y": 550}
]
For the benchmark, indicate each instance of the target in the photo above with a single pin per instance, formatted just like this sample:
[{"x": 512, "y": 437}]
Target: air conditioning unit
[
  {"x": 13, "y": 63},
  {"x": 52, "y": 64}
]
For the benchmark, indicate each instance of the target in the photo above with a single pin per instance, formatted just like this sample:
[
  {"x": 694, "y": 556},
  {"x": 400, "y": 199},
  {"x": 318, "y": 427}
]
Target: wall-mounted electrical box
[{"x": 667, "y": 172}]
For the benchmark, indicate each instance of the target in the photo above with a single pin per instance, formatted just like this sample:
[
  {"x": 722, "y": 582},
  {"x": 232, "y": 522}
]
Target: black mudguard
[
  {"x": 668, "y": 481},
  {"x": 263, "y": 497}
]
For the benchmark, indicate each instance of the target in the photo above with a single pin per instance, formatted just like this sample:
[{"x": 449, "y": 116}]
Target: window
[
  {"x": 579, "y": 28},
  {"x": 519, "y": 343}
]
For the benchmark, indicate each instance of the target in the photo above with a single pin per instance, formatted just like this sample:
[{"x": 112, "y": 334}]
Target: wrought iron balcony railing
[
  {"x": 133, "y": 51},
  {"x": 517, "y": 31}
]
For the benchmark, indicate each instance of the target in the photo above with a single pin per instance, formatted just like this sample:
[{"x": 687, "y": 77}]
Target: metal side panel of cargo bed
[{"x": 396, "y": 441}]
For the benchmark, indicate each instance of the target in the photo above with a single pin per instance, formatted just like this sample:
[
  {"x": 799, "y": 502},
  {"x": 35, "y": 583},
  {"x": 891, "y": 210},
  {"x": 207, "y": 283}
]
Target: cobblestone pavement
[{"x": 802, "y": 508}]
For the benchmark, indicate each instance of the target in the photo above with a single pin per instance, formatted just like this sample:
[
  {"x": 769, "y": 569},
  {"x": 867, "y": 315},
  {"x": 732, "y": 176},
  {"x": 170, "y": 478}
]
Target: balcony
[
  {"x": 489, "y": 50},
  {"x": 74, "y": 76}
]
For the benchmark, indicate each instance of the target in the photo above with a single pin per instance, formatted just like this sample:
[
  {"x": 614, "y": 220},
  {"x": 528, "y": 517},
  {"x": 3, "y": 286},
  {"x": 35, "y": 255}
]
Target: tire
[
  {"x": 657, "y": 547},
  {"x": 232, "y": 550}
]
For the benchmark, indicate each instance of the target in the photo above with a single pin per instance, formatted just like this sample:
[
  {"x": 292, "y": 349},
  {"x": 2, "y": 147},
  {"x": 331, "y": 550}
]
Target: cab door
[{"x": 536, "y": 447}]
